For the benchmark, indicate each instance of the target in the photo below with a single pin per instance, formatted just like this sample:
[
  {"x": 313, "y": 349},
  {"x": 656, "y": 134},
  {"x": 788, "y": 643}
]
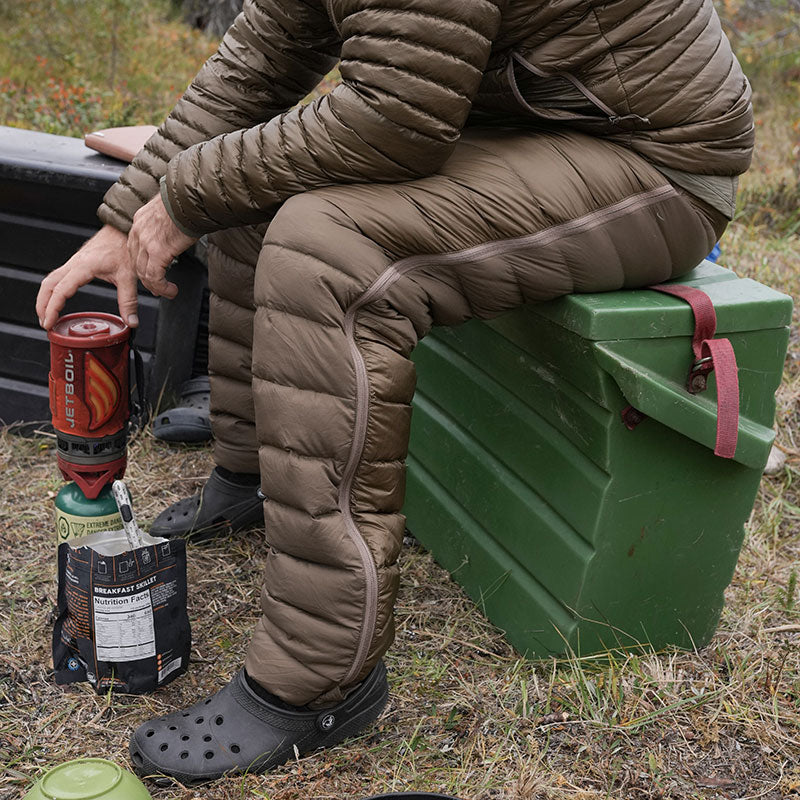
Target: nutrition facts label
[{"x": 123, "y": 627}]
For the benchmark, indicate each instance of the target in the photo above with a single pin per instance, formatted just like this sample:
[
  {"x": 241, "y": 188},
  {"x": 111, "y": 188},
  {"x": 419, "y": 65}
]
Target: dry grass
[{"x": 467, "y": 715}]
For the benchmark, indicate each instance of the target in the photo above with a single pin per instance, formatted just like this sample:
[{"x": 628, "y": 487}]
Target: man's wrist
[{"x": 162, "y": 186}]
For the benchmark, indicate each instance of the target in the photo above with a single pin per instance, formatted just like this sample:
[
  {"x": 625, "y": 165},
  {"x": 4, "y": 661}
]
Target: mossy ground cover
[{"x": 467, "y": 716}]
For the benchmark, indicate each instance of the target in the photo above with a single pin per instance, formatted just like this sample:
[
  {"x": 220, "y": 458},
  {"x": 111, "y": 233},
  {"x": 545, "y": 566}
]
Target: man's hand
[
  {"x": 112, "y": 256},
  {"x": 104, "y": 256},
  {"x": 153, "y": 242}
]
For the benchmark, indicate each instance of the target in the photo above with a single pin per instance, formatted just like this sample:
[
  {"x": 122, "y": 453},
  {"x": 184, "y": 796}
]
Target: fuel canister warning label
[
  {"x": 69, "y": 526},
  {"x": 123, "y": 627}
]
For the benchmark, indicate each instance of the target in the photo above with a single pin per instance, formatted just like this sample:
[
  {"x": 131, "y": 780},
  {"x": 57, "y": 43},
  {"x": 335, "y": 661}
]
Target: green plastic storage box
[{"x": 570, "y": 531}]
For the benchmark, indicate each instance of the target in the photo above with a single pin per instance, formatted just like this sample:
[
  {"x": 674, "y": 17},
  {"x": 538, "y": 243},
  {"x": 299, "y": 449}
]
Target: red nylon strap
[
  {"x": 705, "y": 318},
  {"x": 721, "y": 359},
  {"x": 724, "y": 361}
]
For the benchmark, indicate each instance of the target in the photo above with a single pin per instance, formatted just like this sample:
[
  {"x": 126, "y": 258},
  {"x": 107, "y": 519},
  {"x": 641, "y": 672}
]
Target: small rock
[
  {"x": 716, "y": 781},
  {"x": 556, "y": 717},
  {"x": 775, "y": 462}
]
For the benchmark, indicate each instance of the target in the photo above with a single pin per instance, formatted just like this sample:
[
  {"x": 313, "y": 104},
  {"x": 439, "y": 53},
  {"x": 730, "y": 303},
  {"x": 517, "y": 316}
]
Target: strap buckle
[
  {"x": 697, "y": 379},
  {"x": 711, "y": 355},
  {"x": 631, "y": 417}
]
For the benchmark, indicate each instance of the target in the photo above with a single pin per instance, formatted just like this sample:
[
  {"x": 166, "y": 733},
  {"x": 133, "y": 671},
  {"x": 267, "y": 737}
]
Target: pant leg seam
[{"x": 377, "y": 290}]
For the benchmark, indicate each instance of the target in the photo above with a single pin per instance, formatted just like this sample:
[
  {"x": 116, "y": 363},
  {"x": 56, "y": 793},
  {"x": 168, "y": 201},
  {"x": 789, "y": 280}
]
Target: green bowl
[{"x": 88, "y": 779}]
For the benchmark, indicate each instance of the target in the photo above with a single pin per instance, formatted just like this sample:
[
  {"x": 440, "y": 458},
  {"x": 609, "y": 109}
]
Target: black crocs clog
[
  {"x": 189, "y": 421},
  {"x": 220, "y": 506},
  {"x": 235, "y": 732}
]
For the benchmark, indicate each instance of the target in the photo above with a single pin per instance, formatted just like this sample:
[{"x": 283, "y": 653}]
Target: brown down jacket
[{"x": 658, "y": 76}]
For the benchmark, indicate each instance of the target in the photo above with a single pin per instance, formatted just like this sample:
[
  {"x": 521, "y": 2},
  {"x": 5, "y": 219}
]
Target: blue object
[{"x": 714, "y": 254}]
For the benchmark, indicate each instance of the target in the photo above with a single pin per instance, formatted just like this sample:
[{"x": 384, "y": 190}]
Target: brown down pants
[{"x": 318, "y": 310}]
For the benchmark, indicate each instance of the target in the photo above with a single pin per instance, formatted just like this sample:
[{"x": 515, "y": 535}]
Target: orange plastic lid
[{"x": 89, "y": 329}]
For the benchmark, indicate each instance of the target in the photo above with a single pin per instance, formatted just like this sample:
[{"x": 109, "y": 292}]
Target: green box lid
[{"x": 741, "y": 304}]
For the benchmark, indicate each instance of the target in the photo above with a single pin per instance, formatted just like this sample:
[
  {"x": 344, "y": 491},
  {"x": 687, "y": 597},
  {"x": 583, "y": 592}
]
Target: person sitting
[{"x": 477, "y": 155}]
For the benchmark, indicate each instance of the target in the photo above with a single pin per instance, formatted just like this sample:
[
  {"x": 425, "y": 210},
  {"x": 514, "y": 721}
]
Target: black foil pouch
[{"x": 122, "y": 623}]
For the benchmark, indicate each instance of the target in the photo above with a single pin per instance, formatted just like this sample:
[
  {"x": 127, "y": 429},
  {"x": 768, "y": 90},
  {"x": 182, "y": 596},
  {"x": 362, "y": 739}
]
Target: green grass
[{"x": 69, "y": 67}]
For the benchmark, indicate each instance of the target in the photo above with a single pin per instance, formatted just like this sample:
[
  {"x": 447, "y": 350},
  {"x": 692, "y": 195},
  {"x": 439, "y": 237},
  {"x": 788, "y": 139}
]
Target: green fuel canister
[{"x": 77, "y": 515}]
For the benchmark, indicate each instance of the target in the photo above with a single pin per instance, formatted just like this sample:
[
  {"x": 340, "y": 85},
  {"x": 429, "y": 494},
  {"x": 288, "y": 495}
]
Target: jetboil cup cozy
[{"x": 89, "y": 355}]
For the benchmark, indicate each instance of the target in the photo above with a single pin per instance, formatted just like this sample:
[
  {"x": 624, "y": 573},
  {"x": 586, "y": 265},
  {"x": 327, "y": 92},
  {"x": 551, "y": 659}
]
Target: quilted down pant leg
[
  {"x": 232, "y": 255},
  {"x": 348, "y": 280}
]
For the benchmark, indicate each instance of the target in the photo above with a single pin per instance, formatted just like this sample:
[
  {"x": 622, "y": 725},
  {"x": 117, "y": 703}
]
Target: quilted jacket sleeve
[
  {"x": 410, "y": 69},
  {"x": 273, "y": 55}
]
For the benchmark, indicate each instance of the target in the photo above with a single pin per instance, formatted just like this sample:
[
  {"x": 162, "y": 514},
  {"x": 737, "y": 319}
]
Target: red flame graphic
[{"x": 101, "y": 392}]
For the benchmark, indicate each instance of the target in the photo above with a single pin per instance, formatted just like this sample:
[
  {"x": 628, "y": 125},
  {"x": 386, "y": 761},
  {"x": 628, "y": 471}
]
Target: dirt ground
[{"x": 467, "y": 716}]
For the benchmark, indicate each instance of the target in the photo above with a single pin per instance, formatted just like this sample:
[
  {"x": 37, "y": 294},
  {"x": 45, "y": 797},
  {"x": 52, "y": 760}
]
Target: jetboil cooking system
[
  {"x": 89, "y": 377},
  {"x": 122, "y": 623},
  {"x": 89, "y": 355}
]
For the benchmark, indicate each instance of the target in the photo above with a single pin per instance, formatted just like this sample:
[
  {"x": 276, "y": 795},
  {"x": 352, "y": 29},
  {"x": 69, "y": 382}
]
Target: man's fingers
[
  {"x": 167, "y": 289},
  {"x": 46, "y": 290},
  {"x": 42, "y": 299},
  {"x": 104, "y": 256},
  {"x": 138, "y": 256},
  {"x": 62, "y": 291},
  {"x": 153, "y": 241},
  {"x": 127, "y": 299},
  {"x": 160, "y": 286},
  {"x": 151, "y": 269},
  {"x": 153, "y": 274}
]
